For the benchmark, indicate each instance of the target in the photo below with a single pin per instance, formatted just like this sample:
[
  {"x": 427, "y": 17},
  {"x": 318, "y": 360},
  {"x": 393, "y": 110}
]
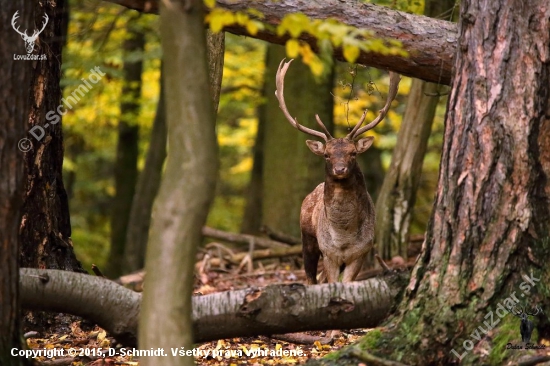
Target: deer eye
[{"x": 326, "y": 156}]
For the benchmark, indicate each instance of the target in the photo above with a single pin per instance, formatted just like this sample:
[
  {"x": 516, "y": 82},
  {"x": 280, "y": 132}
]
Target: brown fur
[{"x": 337, "y": 218}]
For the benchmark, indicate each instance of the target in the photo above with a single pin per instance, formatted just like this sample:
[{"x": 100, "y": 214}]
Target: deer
[
  {"x": 337, "y": 218},
  {"x": 526, "y": 326},
  {"x": 29, "y": 40}
]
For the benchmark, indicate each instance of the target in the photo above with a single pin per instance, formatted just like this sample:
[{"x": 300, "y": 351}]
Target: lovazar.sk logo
[{"x": 29, "y": 40}]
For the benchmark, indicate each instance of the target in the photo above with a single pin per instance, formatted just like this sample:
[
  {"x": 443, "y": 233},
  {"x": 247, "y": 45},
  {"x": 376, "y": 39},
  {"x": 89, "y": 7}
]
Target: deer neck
[{"x": 347, "y": 202}]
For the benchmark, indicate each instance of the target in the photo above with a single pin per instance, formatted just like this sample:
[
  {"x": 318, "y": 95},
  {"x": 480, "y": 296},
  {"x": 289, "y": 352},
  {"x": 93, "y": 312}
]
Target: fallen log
[{"x": 273, "y": 309}]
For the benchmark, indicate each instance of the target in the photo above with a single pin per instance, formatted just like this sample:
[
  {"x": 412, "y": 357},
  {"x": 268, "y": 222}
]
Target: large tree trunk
[
  {"x": 46, "y": 227},
  {"x": 394, "y": 208},
  {"x": 269, "y": 310},
  {"x": 430, "y": 43},
  {"x": 125, "y": 168},
  {"x": 187, "y": 187},
  {"x": 490, "y": 220},
  {"x": 15, "y": 78},
  {"x": 291, "y": 170}
]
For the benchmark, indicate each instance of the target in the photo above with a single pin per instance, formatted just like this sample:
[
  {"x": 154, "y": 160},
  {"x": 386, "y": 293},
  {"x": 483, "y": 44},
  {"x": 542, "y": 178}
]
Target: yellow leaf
[
  {"x": 307, "y": 53},
  {"x": 210, "y": 3},
  {"x": 292, "y": 48},
  {"x": 252, "y": 27},
  {"x": 241, "y": 18},
  {"x": 316, "y": 67},
  {"x": 351, "y": 53}
]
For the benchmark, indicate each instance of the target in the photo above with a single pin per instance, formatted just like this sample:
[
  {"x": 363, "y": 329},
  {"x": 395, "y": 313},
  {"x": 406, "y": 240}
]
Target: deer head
[
  {"x": 29, "y": 40},
  {"x": 339, "y": 153}
]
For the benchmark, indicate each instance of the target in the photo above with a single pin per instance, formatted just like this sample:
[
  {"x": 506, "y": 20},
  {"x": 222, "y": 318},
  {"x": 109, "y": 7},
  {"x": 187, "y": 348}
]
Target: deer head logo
[
  {"x": 29, "y": 40},
  {"x": 526, "y": 326}
]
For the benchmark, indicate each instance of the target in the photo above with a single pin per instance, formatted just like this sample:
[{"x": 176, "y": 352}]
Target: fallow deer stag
[{"x": 337, "y": 218}]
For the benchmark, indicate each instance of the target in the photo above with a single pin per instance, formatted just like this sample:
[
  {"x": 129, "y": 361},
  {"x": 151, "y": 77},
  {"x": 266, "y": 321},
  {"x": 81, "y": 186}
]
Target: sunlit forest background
[{"x": 95, "y": 36}]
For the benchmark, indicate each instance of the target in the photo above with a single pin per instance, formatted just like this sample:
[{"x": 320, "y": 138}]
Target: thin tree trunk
[
  {"x": 394, "y": 208},
  {"x": 149, "y": 179},
  {"x": 125, "y": 168},
  {"x": 146, "y": 191},
  {"x": 15, "y": 78},
  {"x": 187, "y": 188},
  {"x": 489, "y": 226},
  {"x": 291, "y": 170},
  {"x": 252, "y": 217}
]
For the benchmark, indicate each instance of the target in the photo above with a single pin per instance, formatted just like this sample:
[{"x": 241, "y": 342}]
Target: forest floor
[{"x": 89, "y": 340}]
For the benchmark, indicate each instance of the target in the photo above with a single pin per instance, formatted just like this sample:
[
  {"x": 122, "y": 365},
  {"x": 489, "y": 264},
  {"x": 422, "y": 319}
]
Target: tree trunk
[
  {"x": 489, "y": 226},
  {"x": 395, "y": 207},
  {"x": 430, "y": 43},
  {"x": 125, "y": 168},
  {"x": 187, "y": 186},
  {"x": 146, "y": 191},
  {"x": 269, "y": 310},
  {"x": 45, "y": 230},
  {"x": 15, "y": 78},
  {"x": 291, "y": 170},
  {"x": 252, "y": 217}
]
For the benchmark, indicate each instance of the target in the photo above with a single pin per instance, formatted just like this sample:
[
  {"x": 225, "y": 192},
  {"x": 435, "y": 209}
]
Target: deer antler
[
  {"x": 43, "y": 25},
  {"x": 279, "y": 93},
  {"x": 13, "y": 19},
  {"x": 394, "y": 86},
  {"x": 519, "y": 313},
  {"x": 539, "y": 310}
]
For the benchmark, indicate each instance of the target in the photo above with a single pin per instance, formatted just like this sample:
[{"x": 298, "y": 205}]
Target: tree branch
[{"x": 431, "y": 43}]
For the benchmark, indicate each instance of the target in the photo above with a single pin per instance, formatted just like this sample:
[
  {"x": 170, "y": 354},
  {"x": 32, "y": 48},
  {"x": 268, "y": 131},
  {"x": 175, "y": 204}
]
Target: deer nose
[{"x": 340, "y": 169}]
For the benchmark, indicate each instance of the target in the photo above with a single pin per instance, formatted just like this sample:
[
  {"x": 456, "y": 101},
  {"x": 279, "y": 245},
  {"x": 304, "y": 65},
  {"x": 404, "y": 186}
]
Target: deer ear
[
  {"x": 316, "y": 147},
  {"x": 363, "y": 144}
]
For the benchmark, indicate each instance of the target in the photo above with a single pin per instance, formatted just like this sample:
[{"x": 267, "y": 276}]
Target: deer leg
[
  {"x": 352, "y": 270},
  {"x": 332, "y": 269},
  {"x": 311, "y": 254}
]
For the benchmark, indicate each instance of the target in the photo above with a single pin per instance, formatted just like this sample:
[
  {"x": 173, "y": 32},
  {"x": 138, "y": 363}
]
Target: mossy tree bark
[
  {"x": 187, "y": 186},
  {"x": 15, "y": 78},
  {"x": 290, "y": 169},
  {"x": 125, "y": 168},
  {"x": 489, "y": 225}
]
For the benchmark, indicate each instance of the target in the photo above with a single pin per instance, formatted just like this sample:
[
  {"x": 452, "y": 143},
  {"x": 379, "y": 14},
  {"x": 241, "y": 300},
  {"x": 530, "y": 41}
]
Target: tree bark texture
[
  {"x": 394, "y": 209},
  {"x": 15, "y": 78},
  {"x": 215, "y": 51},
  {"x": 187, "y": 187},
  {"x": 146, "y": 190},
  {"x": 125, "y": 168},
  {"x": 45, "y": 230},
  {"x": 291, "y": 170},
  {"x": 430, "y": 43},
  {"x": 255, "y": 311},
  {"x": 489, "y": 225}
]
